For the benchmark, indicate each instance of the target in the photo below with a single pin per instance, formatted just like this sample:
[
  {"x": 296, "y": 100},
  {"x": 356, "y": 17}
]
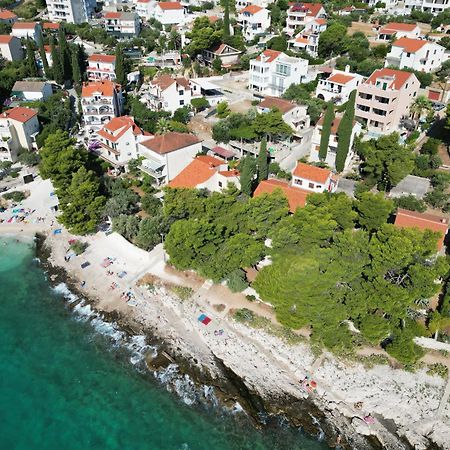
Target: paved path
[{"x": 444, "y": 399}]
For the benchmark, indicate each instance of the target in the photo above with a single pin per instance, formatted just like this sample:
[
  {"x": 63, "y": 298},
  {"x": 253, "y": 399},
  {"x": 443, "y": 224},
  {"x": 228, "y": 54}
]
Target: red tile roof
[
  {"x": 399, "y": 77},
  {"x": 105, "y": 88},
  {"x": 223, "y": 152},
  {"x": 170, "y": 142},
  {"x": 200, "y": 170},
  {"x": 393, "y": 27},
  {"x": 340, "y": 78},
  {"x": 24, "y": 25},
  {"x": 51, "y": 26},
  {"x": 270, "y": 55},
  {"x": 312, "y": 173},
  {"x": 113, "y": 15},
  {"x": 314, "y": 8},
  {"x": 210, "y": 160},
  {"x": 6, "y": 38},
  {"x": 302, "y": 40},
  {"x": 412, "y": 219},
  {"x": 410, "y": 45},
  {"x": 252, "y": 9},
  {"x": 296, "y": 197},
  {"x": 19, "y": 113},
  {"x": 277, "y": 103},
  {"x": 229, "y": 173},
  {"x": 170, "y": 5},
  {"x": 5, "y": 14},
  {"x": 163, "y": 81},
  {"x": 102, "y": 58},
  {"x": 321, "y": 21},
  {"x": 121, "y": 124}
]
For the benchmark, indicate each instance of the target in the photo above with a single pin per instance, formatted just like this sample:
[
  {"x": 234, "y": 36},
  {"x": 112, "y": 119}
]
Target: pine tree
[
  {"x": 76, "y": 72},
  {"x": 326, "y": 130},
  {"x": 64, "y": 53},
  {"x": 121, "y": 69},
  {"x": 247, "y": 168},
  {"x": 57, "y": 70},
  {"x": 226, "y": 21},
  {"x": 345, "y": 133},
  {"x": 263, "y": 164},
  {"x": 43, "y": 55},
  {"x": 31, "y": 61}
]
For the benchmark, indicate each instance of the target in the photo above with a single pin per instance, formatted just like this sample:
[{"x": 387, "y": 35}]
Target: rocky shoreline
[{"x": 312, "y": 413}]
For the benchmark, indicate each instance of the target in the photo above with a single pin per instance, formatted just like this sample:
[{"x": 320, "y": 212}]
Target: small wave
[{"x": 64, "y": 290}]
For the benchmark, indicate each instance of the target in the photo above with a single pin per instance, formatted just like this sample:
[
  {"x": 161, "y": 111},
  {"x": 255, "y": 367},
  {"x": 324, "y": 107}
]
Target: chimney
[{"x": 347, "y": 68}]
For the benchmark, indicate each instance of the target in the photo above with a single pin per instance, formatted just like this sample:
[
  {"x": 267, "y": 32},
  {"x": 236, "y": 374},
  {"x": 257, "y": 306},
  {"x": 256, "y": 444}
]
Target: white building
[
  {"x": 254, "y": 21},
  {"x": 118, "y": 141},
  {"x": 398, "y": 30},
  {"x": 169, "y": 94},
  {"x": 18, "y": 130},
  {"x": 300, "y": 14},
  {"x": 307, "y": 41},
  {"x": 431, "y": 6},
  {"x": 10, "y": 48},
  {"x": 144, "y": 8},
  {"x": 338, "y": 86},
  {"x": 101, "y": 67},
  {"x": 31, "y": 90},
  {"x": 71, "y": 11},
  {"x": 416, "y": 54},
  {"x": 169, "y": 13},
  {"x": 330, "y": 158},
  {"x": 165, "y": 156},
  {"x": 7, "y": 17},
  {"x": 206, "y": 172},
  {"x": 272, "y": 72},
  {"x": 228, "y": 55},
  {"x": 294, "y": 115},
  {"x": 26, "y": 30},
  {"x": 122, "y": 24},
  {"x": 101, "y": 101},
  {"x": 313, "y": 179}
]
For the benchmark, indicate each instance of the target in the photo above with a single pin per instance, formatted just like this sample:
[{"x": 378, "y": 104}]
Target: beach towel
[
  {"x": 57, "y": 231},
  {"x": 85, "y": 264},
  {"x": 204, "y": 319}
]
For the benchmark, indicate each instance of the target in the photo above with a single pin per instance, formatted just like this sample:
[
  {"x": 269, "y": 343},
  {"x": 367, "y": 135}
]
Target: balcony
[{"x": 153, "y": 168}]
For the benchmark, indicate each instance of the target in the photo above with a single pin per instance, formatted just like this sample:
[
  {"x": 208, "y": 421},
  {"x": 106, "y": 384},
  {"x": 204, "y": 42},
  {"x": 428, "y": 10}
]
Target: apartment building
[
  {"x": 71, "y": 11},
  {"x": 308, "y": 39},
  {"x": 313, "y": 179},
  {"x": 122, "y": 24},
  {"x": 144, "y": 8},
  {"x": 166, "y": 155},
  {"x": 254, "y": 21},
  {"x": 118, "y": 141},
  {"x": 330, "y": 158},
  {"x": 10, "y": 48},
  {"x": 7, "y": 17},
  {"x": 416, "y": 54},
  {"x": 431, "y": 6},
  {"x": 101, "y": 67},
  {"x": 338, "y": 86},
  {"x": 100, "y": 102},
  {"x": 395, "y": 30},
  {"x": 169, "y": 94},
  {"x": 18, "y": 129},
  {"x": 384, "y": 98},
  {"x": 300, "y": 14},
  {"x": 169, "y": 13},
  {"x": 272, "y": 72},
  {"x": 27, "y": 30}
]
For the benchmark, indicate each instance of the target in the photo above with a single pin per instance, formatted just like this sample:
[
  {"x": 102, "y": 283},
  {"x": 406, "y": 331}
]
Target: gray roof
[
  {"x": 29, "y": 86},
  {"x": 347, "y": 186},
  {"x": 411, "y": 185}
]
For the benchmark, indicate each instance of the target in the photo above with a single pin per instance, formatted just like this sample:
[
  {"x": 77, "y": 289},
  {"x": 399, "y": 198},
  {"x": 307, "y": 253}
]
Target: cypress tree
[
  {"x": 43, "y": 55},
  {"x": 31, "y": 61},
  {"x": 57, "y": 70},
  {"x": 263, "y": 164},
  {"x": 345, "y": 133},
  {"x": 121, "y": 72},
  {"x": 76, "y": 72},
  {"x": 247, "y": 170},
  {"x": 82, "y": 60},
  {"x": 326, "y": 130},
  {"x": 64, "y": 53},
  {"x": 226, "y": 21}
]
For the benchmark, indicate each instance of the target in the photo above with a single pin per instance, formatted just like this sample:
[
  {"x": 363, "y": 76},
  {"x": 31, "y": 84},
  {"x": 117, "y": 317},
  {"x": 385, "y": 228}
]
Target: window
[
  {"x": 180, "y": 92},
  {"x": 319, "y": 186},
  {"x": 220, "y": 184},
  {"x": 299, "y": 182},
  {"x": 408, "y": 55},
  {"x": 283, "y": 69},
  {"x": 311, "y": 185},
  {"x": 181, "y": 102}
]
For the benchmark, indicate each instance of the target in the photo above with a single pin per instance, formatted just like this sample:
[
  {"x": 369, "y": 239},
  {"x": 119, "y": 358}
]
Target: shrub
[
  {"x": 244, "y": 315},
  {"x": 411, "y": 203},
  {"x": 438, "y": 369},
  {"x": 15, "y": 196},
  {"x": 236, "y": 281},
  {"x": 79, "y": 247},
  {"x": 182, "y": 292},
  {"x": 430, "y": 147}
]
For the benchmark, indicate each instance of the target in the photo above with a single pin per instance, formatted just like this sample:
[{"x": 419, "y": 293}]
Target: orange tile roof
[
  {"x": 6, "y": 14},
  {"x": 170, "y": 142},
  {"x": 96, "y": 57},
  {"x": 51, "y": 26},
  {"x": 105, "y": 88},
  {"x": 229, "y": 173},
  {"x": 277, "y": 103},
  {"x": 121, "y": 124},
  {"x": 163, "y": 81},
  {"x": 197, "y": 172},
  {"x": 113, "y": 15},
  {"x": 170, "y": 5},
  {"x": 252, "y": 9},
  {"x": 211, "y": 160},
  {"x": 312, "y": 173},
  {"x": 19, "y": 113},
  {"x": 321, "y": 21},
  {"x": 302, "y": 40},
  {"x": 413, "y": 219},
  {"x": 270, "y": 55},
  {"x": 213, "y": 19},
  {"x": 393, "y": 27},
  {"x": 24, "y": 25},
  {"x": 296, "y": 197},
  {"x": 6, "y": 38},
  {"x": 410, "y": 45},
  {"x": 314, "y": 8},
  {"x": 399, "y": 77},
  {"x": 340, "y": 78}
]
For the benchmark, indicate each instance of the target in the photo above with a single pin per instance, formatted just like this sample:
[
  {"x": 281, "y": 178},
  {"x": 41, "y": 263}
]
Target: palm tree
[
  {"x": 420, "y": 105},
  {"x": 162, "y": 126}
]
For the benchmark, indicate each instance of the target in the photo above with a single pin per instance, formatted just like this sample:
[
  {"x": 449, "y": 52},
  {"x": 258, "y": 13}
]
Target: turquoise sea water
[{"x": 65, "y": 386}]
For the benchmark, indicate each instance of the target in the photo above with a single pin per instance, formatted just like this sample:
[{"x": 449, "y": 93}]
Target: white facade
[
  {"x": 24, "y": 30},
  {"x": 31, "y": 90},
  {"x": 101, "y": 67},
  {"x": 144, "y": 8},
  {"x": 313, "y": 179},
  {"x": 11, "y": 48},
  {"x": 71, "y": 11},
  {"x": 18, "y": 130},
  {"x": 272, "y": 72},
  {"x": 254, "y": 21},
  {"x": 338, "y": 86},
  {"x": 398, "y": 30},
  {"x": 169, "y": 13},
  {"x": 300, "y": 14},
  {"x": 122, "y": 24},
  {"x": 432, "y": 6},
  {"x": 417, "y": 54},
  {"x": 330, "y": 158}
]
